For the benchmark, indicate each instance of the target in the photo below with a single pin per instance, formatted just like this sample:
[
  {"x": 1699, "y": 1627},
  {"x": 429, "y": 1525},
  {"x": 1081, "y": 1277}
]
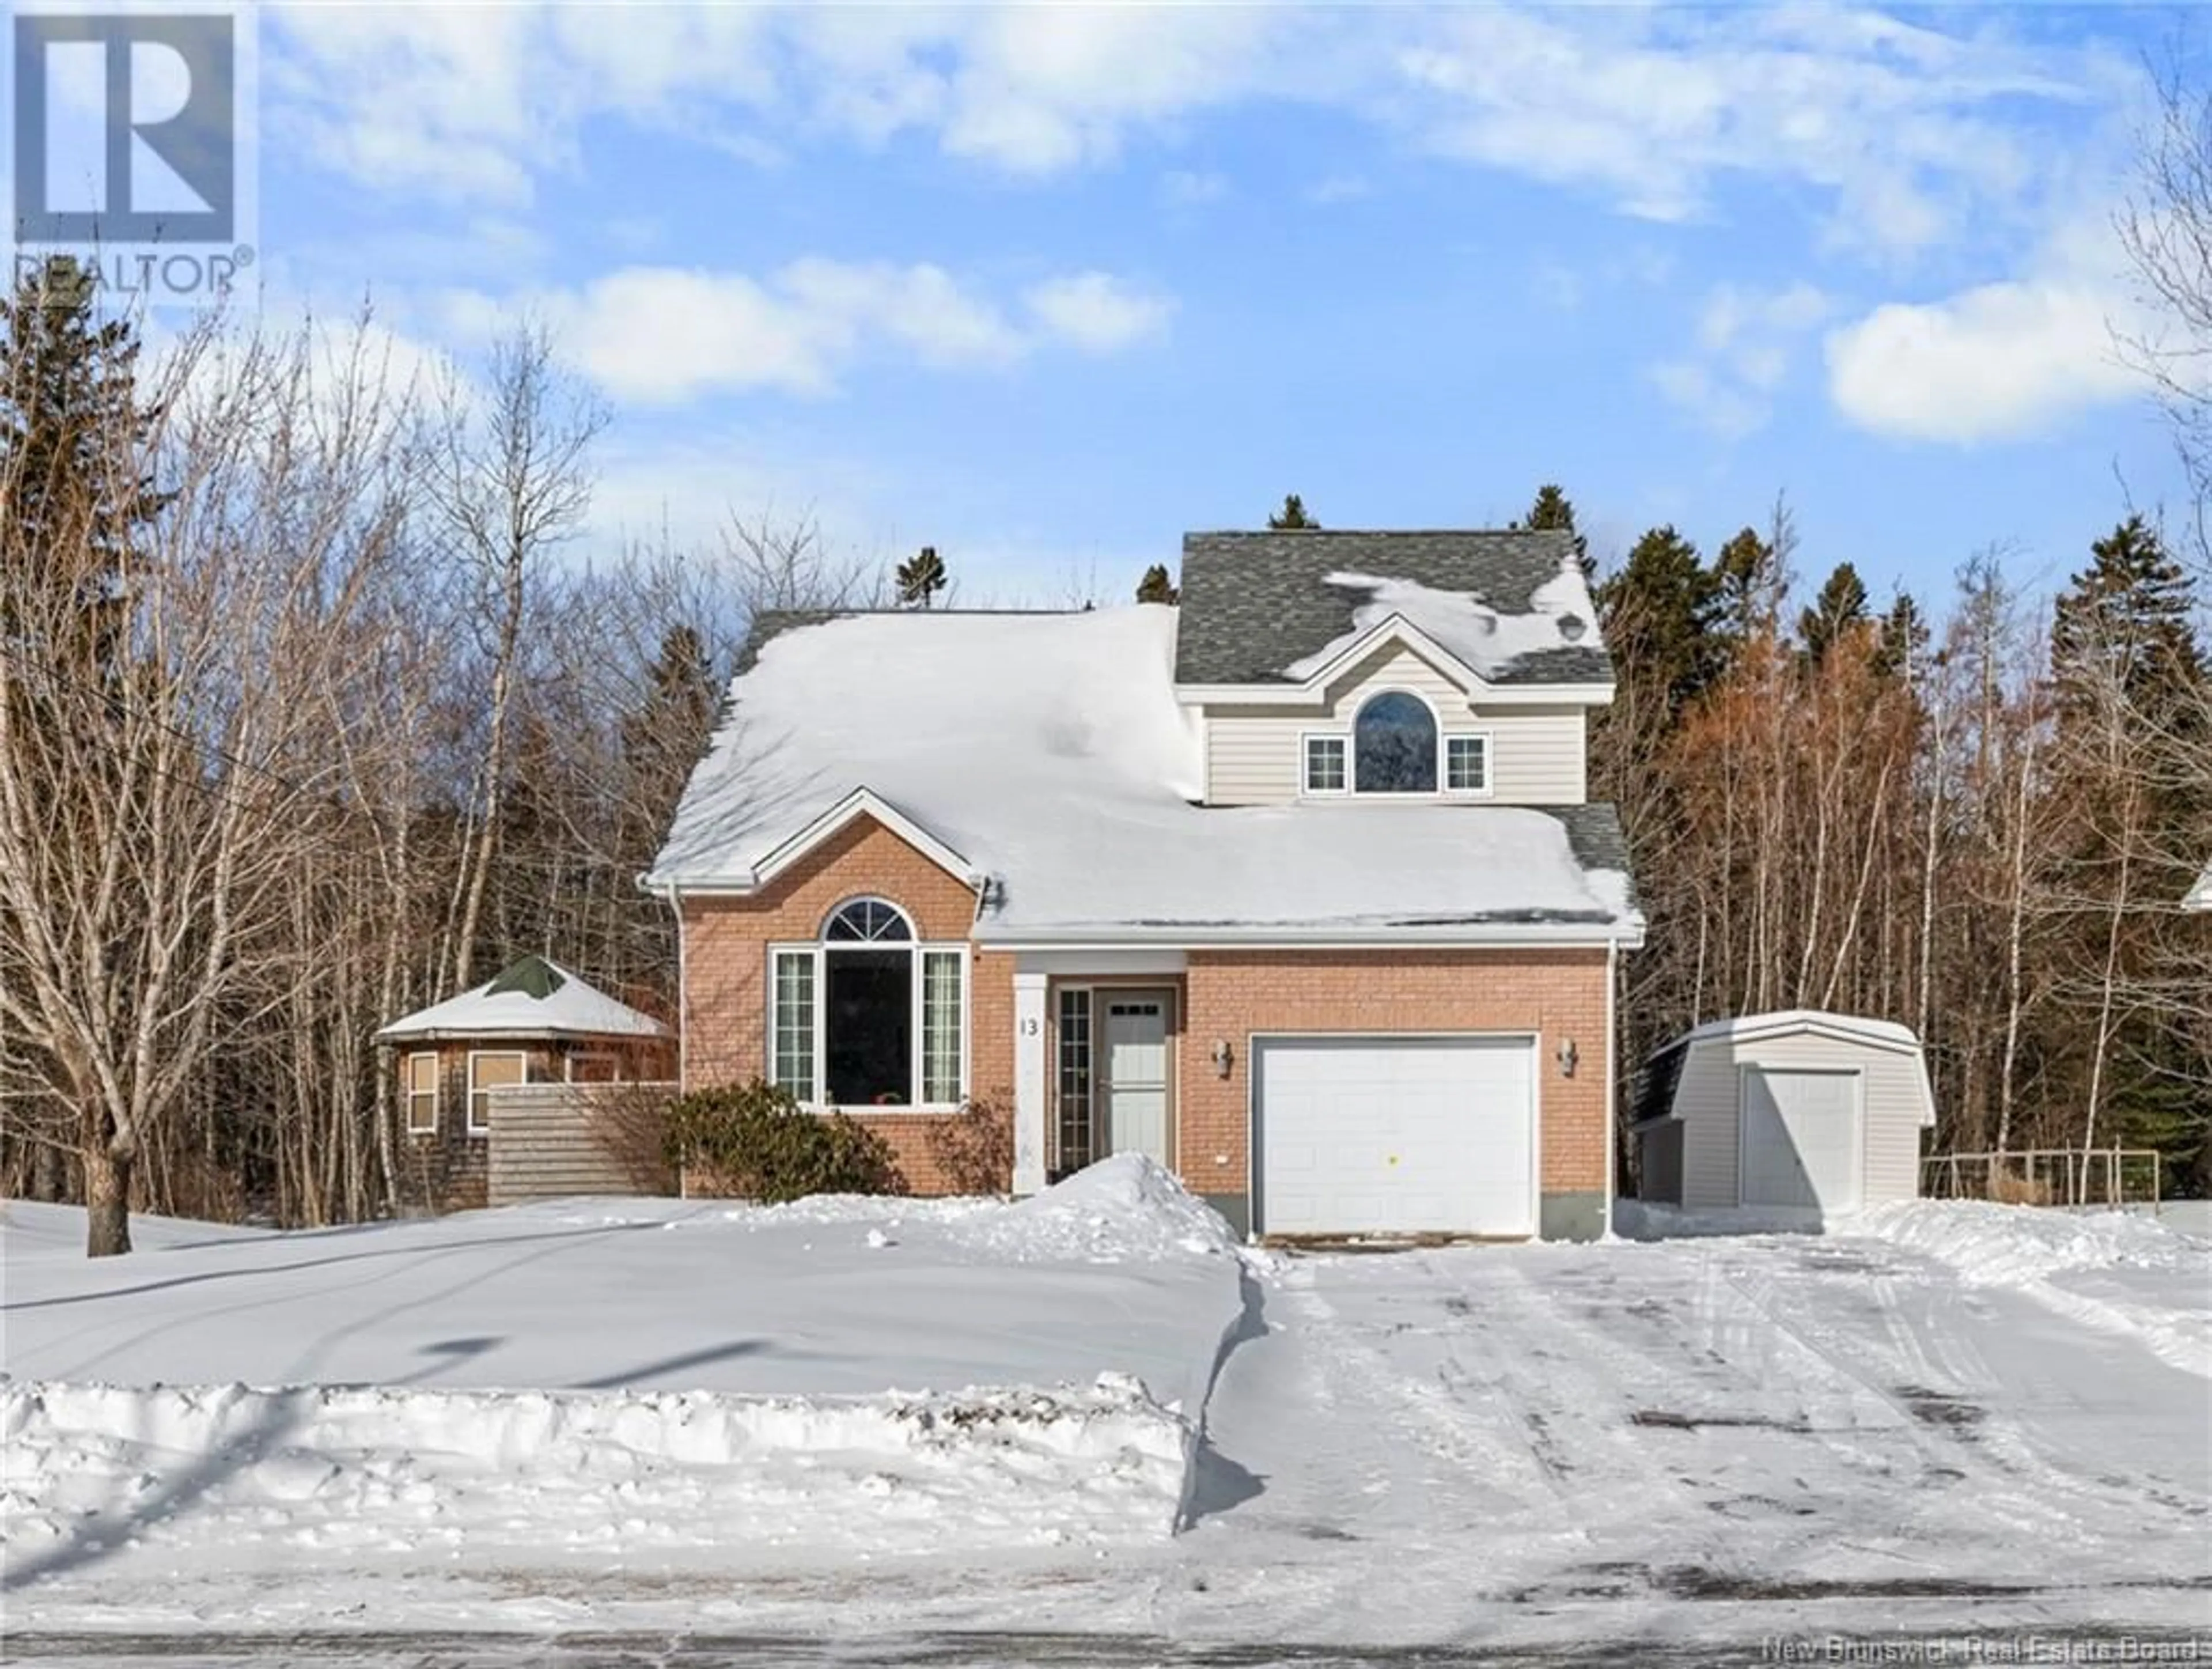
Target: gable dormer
[{"x": 1347, "y": 665}]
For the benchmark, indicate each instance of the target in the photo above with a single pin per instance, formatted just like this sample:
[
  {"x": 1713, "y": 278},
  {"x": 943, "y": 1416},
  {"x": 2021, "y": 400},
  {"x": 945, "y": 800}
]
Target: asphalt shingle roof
[{"x": 1253, "y": 603}]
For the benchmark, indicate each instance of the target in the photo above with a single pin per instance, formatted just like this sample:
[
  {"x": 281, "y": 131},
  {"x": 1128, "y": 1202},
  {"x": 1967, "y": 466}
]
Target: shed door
[
  {"x": 1801, "y": 1139},
  {"x": 1384, "y": 1135}
]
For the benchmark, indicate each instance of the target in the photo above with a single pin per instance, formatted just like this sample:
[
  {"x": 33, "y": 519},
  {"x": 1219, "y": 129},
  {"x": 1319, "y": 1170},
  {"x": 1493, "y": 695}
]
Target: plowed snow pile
[
  {"x": 878, "y": 1376},
  {"x": 400, "y": 1471},
  {"x": 2115, "y": 1270}
]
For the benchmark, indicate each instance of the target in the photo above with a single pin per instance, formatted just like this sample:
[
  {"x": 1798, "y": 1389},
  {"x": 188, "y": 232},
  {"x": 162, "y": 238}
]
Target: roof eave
[{"x": 1468, "y": 935}]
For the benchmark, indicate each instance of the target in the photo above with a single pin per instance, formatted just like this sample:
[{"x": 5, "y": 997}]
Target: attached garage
[
  {"x": 1798, "y": 1114},
  {"x": 1389, "y": 1135}
]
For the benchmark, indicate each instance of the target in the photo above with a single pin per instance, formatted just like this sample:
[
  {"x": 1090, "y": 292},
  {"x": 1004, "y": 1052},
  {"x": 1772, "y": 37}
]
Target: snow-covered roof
[
  {"x": 1744, "y": 1027},
  {"x": 1048, "y": 755},
  {"x": 532, "y": 998},
  {"x": 1272, "y": 608},
  {"x": 2199, "y": 897},
  {"x": 1479, "y": 638}
]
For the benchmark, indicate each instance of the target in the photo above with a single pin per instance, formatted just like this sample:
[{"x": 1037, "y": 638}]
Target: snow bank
[
  {"x": 2015, "y": 1246},
  {"x": 399, "y": 1470},
  {"x": 1128, "y": 1208}
]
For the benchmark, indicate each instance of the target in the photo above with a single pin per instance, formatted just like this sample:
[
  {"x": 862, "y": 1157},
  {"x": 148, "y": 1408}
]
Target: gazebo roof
[{"x": 530, "y": 998}]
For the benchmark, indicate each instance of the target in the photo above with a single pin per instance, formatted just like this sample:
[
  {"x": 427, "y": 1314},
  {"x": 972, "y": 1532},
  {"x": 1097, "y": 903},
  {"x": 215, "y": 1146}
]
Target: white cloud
[
  {"x": 1098, "y": 312},
  {"x": 1744, "y": 342},
  {"x": 662, "y": 335},
  {"x": 1908, "y": 136},
  {"x": 1995, "y": 362},
  {"x": 1907, "y": 132}
]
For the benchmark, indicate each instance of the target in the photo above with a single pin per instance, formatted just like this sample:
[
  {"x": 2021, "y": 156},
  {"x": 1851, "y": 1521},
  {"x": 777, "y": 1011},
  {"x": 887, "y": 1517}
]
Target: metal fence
[{"x": 2046, "y": 1176}]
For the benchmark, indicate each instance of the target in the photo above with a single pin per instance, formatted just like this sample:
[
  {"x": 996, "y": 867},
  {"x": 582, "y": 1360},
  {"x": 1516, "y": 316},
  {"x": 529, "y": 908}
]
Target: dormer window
[{"x": 1394, "y": 745}]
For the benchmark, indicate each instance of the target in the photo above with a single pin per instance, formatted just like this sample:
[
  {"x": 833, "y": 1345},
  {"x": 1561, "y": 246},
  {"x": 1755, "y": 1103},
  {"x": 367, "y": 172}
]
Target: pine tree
[
  {"x": 1157, "y": 588},
  {"x": 1662, "y": 611},
  {"x": 2129, "y": 681},
  {"x": 71, "y": 432},
  {"x": 1901, "y": 651},
  {"x": 921, "y": 579},
  {"x": 1841, "y": 603},
  {"x": 1748, "y": 587},
  {"x": 2126, "y": 619},
  {"x": 1553, "y": 511},
  {"x": 1292, "y": 516}
]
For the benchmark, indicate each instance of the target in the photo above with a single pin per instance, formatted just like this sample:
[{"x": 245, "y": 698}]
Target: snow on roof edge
[{"x": 1883, "y": 1032}]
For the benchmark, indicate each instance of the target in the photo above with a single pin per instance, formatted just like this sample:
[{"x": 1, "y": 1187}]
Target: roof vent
[{"x": 1572, "y": 626}]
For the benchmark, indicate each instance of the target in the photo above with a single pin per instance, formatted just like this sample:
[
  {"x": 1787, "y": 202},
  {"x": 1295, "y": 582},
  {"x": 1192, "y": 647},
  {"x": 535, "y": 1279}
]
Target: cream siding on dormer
[{"x": 1253, "y": 755}]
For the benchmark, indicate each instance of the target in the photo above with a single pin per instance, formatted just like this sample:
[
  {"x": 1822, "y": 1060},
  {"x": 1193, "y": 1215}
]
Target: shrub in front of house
[
  {"x": 974, "y": 1150},
  {"x": 753, "y": 1142}
]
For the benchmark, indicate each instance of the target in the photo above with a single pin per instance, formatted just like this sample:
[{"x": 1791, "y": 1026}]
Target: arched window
[
  {"x": 1394, "y": 745},
  {"x": 868, "y": 920},
  {"x": 867, "y": 1014}
]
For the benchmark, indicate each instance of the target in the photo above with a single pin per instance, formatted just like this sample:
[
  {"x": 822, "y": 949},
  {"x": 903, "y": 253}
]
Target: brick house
[{"x": 1292, "y": 886}]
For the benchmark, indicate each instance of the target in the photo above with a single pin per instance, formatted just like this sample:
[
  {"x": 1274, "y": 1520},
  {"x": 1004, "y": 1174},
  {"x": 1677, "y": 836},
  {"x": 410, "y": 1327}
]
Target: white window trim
[
  {"x": 1306, "y": 738},
  {"x": 437, "y": 1090},
  {"x": 817, "y": 951},
  {"x": 469, "y": 1119},
  {"x": 1348, "y": 733},
  {"x": 1489, "y": 789}
]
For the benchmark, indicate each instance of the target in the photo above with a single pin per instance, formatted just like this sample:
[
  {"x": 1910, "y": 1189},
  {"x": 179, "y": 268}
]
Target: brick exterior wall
[
  {"x": 726, "y": 940},
  {"x": 1556, "y": 994}
]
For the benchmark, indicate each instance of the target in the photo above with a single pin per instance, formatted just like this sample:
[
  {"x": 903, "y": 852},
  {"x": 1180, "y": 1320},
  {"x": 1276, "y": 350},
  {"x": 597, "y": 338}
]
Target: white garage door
[
  {"x": 1395, "y": 1136},
  {"x": 1801, "y": 1139}
]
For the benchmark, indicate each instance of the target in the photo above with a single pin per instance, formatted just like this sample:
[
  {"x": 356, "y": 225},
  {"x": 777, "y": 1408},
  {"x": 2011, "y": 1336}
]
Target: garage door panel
[
  {"x": 1381, "y": 1134},
  {"x": 1801, "y": 1137}
]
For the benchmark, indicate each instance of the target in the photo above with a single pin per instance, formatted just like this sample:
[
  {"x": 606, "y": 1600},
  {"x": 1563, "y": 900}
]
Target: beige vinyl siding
[
  {"x": 1255, "y": 756},
  {"x": 1706, "y": 1100}
]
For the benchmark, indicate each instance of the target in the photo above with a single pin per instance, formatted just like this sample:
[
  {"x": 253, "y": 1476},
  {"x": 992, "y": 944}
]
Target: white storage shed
[{"x": 1793, "y": 1113}]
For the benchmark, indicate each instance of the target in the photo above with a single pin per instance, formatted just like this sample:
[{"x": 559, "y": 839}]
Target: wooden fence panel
[{"x": 553, "y": 1140}]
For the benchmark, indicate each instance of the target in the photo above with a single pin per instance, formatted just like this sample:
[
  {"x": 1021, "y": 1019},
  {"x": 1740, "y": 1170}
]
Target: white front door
[
  {"x": 1382, "y": 1135},
  {"x": 1136, "y": 1085},
  {"x": 1801, "y": 1139}
]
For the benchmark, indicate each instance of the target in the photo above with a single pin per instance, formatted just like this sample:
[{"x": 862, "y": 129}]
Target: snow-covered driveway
[{"x": 1637, "y": 1440}]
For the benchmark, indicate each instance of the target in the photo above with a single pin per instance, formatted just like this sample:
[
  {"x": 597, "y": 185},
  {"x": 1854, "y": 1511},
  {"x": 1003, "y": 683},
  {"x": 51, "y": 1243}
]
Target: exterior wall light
[
  {"x": 1567, "y": 1057},
  {"x": 1221, "y": 1057}
]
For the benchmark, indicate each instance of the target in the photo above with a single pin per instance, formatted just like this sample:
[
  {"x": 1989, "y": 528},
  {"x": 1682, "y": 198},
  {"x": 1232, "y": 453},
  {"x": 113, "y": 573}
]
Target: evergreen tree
[
  {"x": 2126, "y": 619},
  {"x": 1291, "y": 517},
  {"x": 1661, "y": 613},
  {"x": 1748, "y": 587},
  {"x": 1553, "y": 511},
  {"x": 1901, "y": 651},
  {"x": 71, "y": 436},
  {"x": 1157, "y": 588},
  {"x": 1841, "y": 603},
  {"x": 2129, "y": 681},
  {"x": 921, "y": 579}
]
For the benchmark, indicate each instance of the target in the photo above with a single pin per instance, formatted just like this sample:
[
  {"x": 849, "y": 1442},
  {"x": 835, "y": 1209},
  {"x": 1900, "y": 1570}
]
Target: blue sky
[{"x": 1046, "y": 288}]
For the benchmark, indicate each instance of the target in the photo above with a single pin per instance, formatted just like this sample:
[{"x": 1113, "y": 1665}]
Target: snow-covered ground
[{"x": 1940, "y": 1418}]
